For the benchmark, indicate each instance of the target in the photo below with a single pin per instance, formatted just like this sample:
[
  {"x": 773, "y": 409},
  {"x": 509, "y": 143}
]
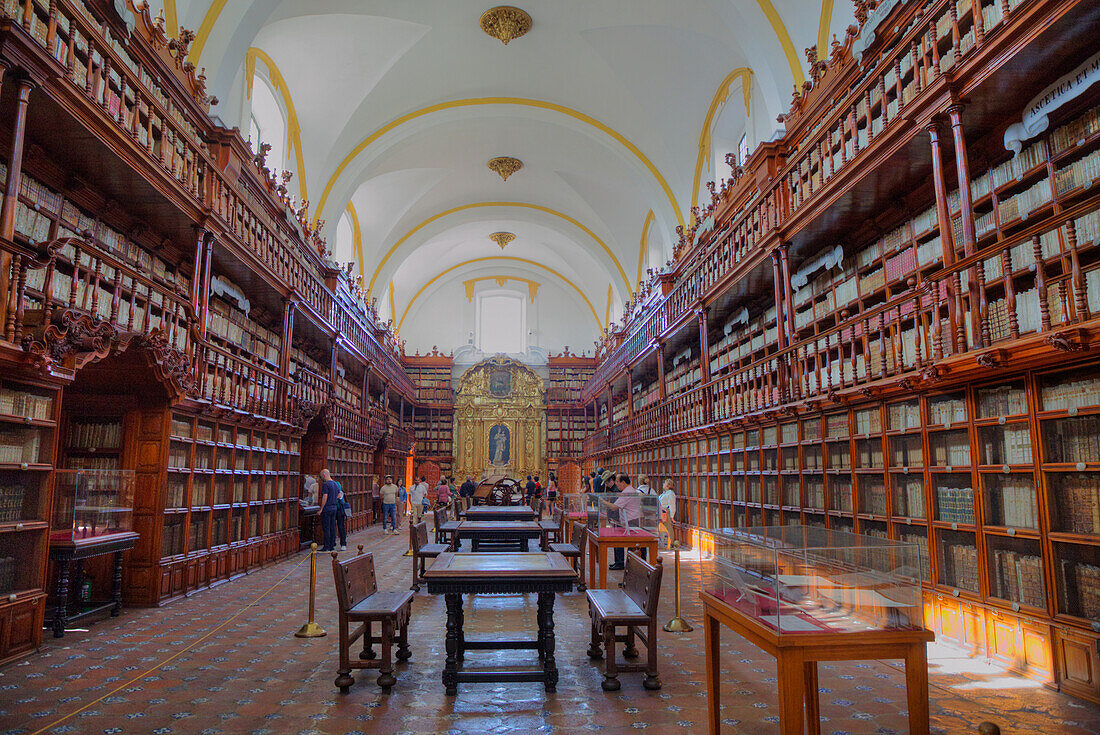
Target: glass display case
[
  {"x": 806, "y": 579},
  {"x": 627, "y": 511},
  {"x": 91, "y": 504}
]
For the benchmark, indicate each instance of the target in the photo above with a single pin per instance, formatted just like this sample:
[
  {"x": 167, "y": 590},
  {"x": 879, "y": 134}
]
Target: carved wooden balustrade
[
  {"x": 865, "y": 104},
  {"x": 227, "y": 381},
  {"x": 348, "y": 423},
  {"x": 311, "y": 389}
]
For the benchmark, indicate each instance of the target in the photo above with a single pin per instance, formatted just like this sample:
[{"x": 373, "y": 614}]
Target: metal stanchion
[
  {"x": 677, "y": 624},
  {"x": 311, "y": 629},
  {"x": 409, "y": 551}
]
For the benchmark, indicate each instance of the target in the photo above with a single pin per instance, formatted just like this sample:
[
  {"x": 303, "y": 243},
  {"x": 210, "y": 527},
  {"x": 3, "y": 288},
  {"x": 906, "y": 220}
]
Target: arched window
[
  {"x": 501, "y": 322},
  {"x": 267, "y": 123}
]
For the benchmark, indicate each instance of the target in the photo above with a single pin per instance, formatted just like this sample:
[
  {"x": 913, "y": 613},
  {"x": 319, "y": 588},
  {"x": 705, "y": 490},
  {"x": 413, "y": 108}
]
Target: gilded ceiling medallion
[
  {"x": 504, "y": 166},
  {"x": 505, "y": 23},
  {"x": 502, "y": 238}
]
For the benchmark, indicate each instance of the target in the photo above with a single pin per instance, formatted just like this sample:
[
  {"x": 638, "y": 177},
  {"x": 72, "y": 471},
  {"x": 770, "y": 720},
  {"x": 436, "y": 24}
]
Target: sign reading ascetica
[{"x": 1036, "y": 116}]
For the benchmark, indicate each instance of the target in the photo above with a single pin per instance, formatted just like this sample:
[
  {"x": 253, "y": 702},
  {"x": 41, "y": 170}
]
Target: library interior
[{"x": 806, "y": 441}]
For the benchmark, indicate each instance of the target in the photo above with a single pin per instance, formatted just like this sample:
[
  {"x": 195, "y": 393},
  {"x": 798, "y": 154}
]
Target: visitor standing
[
  {"x": 416, "y": 500},
  {"x": 552, "y": 490},
  {"x": 630, "y": 513},
  {"x": 343, "y": 511},
  {"x": 402, "y": 501},
  {"x": 389, "y": 505},
  {"x": 667, "y": 502},
  {"x": 466, "y": 492},
  {"x": 329, "y": 505},
  {"x": 597, "y": 480},
  {"x": 425, "y": 502},
  {"x": 442, "y": 493}
]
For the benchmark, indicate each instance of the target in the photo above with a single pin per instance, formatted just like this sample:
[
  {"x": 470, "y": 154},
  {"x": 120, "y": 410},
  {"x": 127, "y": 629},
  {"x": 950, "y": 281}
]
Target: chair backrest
[
  {"x": 642, "y": 582},
  {"x": 579, "y": 532},
  {"x": 420, "y": 535},
  {"x": 440, "y": 516},
  {"x": 355, "y": 580}
]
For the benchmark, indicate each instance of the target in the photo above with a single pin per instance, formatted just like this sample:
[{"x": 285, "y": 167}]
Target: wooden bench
[
  {"x": 421, "y": 550},
  {"x": 360, "y": 602},
  {"x": 574, "y": 551},
  {"x": 634, "y": 607}
]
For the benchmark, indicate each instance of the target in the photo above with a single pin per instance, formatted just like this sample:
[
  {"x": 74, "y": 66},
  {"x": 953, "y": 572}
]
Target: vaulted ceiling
[{"x": 615, "y": 108}]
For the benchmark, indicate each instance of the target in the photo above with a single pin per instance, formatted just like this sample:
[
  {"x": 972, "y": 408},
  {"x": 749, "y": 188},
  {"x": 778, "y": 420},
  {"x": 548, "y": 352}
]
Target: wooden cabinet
[{"x": 1077, "y": 655}]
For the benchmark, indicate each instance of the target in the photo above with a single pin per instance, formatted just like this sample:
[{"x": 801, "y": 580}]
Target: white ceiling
[{"x": 603, "y": 101}]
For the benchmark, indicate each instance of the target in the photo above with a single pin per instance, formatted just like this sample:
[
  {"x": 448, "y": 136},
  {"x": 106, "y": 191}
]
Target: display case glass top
[
  {"x": 806, "y": 579},
  {"x": 92, "y": 505}
]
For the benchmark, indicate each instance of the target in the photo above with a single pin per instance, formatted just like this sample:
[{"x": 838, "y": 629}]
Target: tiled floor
[{"x": 226, "y": 661}]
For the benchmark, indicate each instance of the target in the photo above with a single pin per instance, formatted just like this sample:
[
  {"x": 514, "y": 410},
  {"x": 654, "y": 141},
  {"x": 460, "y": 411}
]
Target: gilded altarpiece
[{"x": 500, "y": 420}]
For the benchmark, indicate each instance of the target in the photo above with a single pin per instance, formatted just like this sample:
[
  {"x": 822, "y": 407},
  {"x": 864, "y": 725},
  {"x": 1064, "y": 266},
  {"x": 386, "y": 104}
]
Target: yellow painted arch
[
  {"x": 720, "y": 96},
  {"x": 203, "y": 33},
  {"x": 477, "y": 205},
  {"x": 171, "y": 21},
  {"x": 823, "y": 29},
  {"x": 498, "y": 257},
  {"x": 642, "y": 245},
  {"x": 478, "y": 101},
  {"x": 356, "y": 238},
  {"x": 784, "y": 40},
  {"x": 293, "y": 128}
]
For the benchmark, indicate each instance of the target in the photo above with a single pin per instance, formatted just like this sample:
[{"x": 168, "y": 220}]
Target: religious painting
[
  {"x": 500, "y": 383},
  {"x": 500, "y": 441}
]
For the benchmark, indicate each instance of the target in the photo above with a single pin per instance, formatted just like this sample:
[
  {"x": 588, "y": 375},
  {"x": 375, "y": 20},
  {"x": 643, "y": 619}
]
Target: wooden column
[
  {"x": 966, "y": 204},
  {"x": 289, "y": 307},
  {"x": 11, "y": 191},
  {"x": 610, "y": 409},
  {"x": 947, "y": 240},
  {"x": 662, "y": 391},
  {"x": 704, "y": 346},
  {"x": 202, "y": 306},
  {"x": 780, "y": 321}
]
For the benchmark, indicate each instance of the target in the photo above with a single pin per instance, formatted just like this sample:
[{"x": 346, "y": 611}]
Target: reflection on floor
[{"x": 214, "y": 663}]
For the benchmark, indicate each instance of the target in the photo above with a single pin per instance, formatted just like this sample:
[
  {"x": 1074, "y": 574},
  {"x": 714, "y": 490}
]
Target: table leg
[
  {"x": 541, "y": 611},
  {"x": 454, "y": 625},
  {"x": 461, "y": 631},
  {"x": 916, "y": 687},
  {"x": 546, "y": 630},
  {"x": 61, "y": 611},
  {"x": 813, "y": 709},
  {"x": 592, "y": 565},
  {"x": 116, "y": 586},
  {"x": 792, "y": 693},
  {"x": 603, "y": 566},
  {"x": 710, "y": 649}
]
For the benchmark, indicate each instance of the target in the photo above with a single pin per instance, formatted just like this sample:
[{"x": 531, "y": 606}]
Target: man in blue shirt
[{"x": 330, "y": 504}]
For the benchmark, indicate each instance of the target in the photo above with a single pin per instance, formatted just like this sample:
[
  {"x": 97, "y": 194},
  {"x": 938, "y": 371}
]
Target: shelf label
[
  {"x": 1015, "y": 607},
  {"x": 947, "y": 468},
  {"x": 1072, "y": 410},
  {"x": 1001, "y": 420},
  {"x": 954, "y": 593},
  {"x": 1080, "y": 466},
  {"x": 954, "y": 526},
  {"x": 1011, "y": 532},
  {"x": 1006, "y": 469},
  {"x": 12, "y": 597}
]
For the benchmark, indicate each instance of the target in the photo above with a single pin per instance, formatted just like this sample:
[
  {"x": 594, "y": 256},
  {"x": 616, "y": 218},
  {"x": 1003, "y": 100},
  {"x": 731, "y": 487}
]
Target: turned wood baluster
[
  {"x": 934, "y": 48},
  {"x": 1005, "y": 10},
  {"x": 13, "y": 297},
  {"x": 828, "y": 364},
  {"x": 226, "y": 372},
  {"x": 883, "y": 102},
  {"x": 937, "y": 330},
  {"x": 135, "y": 116},
  {"x": 959, "y": 337},
  {"x": 103, "y": 90},
  {"x": 133, "y": 306},
  {"x": 979, "y": 24},
  {"x": 51, "y": 27},
  {"x": 1010, "y": 293},
  {"x": 89, "y": 78},
  {"x": 865, "y": 338},
  {"x": 70, "y": 59},
  {"x": 918, "y": 325},
  {"x": 76, "y": 276},
  {"x": 953, "y": 8},
  {"x": 1041, "y": 283},
  {"x": 28, "y": 14},
  {"x": 47, "y": 290},
  {"x": 914, "y": 54},
  {"x": 843, "y": 129},
  {"x": 1080, "y": 296},
  {"x": 149, "y": 130},
  {"x": 870, "y": 117},
  {"x": 881, "y": 347},
  {"x": 120, "y": 116},
  {"x": 983, "y": 304},
  {"x": 94, "y": 284},
  {"x": 898, "y": 86},
  {"x": 853, "y": 125},
  {"x": 116, "y": 295}
]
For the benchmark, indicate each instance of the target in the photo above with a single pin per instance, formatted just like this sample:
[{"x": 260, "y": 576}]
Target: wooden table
[
  {"x": 496, "y": 533},
  {"x": 454, "y": 574},
  {"x": 500, "y": 513},
  {"x": 66, "y": 552},
  {"x": 602, "y": 539},
  {"x": 796, "y": 656}
]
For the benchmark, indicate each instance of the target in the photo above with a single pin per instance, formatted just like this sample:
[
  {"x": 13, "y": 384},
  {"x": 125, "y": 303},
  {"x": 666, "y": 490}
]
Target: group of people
[
  {"x": 606, "y": 481},
  {"x": 533, "y": 489}
]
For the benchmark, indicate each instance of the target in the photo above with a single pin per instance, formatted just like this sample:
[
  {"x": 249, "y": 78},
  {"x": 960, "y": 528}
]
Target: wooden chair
[
  {"x": 418, "y": 540},
  {"x": 634, "y": 607},
  {"x": 361, "y": 602},
  {"x": 554, "y": 530},
  {"x": 444, "y": 527},
  {"x": 574, "y": 551}
]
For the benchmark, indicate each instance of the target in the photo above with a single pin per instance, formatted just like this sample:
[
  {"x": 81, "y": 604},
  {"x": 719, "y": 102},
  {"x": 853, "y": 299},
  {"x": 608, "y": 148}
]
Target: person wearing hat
[{"x": 389, "y": 505}]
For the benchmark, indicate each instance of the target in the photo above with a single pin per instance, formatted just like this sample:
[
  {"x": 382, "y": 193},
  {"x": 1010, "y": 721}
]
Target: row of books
[
  {"x": 955, "y": 504},
  {"x": 1009, "y": 444},
  {"x": 172, "y": 536},
  {"x": 19, "y": 445},
  {"x": 1085, "y": 579},
  {"x": 1075, "y": 132},
  {"x": 21, "y": 403},
  {"x": 1071, "y": 440},
  {"x": 1077, "y": 496},
  {"x": 1001, "y": 400},
  {"x": 959, "y": 562},
  {"x": 92, "y": 463},
  {"x": 1081, "y": 172},
  {"x": 12, "y": 495},
  {"x": 1071, "y": 392},
  {"x": 946, "y": 410},
  {"x": 1018, "y": 577},
  {"x": 903, "y": 416},
  {"x": 1012, "y": 502},
  {"x": 949, "y": 449},
  {"x": 94, "y": 435},
  {"x": 908, "y": 495},
  {"x": 906, "y": 451},
  {"x": 872, "y": 495}
]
